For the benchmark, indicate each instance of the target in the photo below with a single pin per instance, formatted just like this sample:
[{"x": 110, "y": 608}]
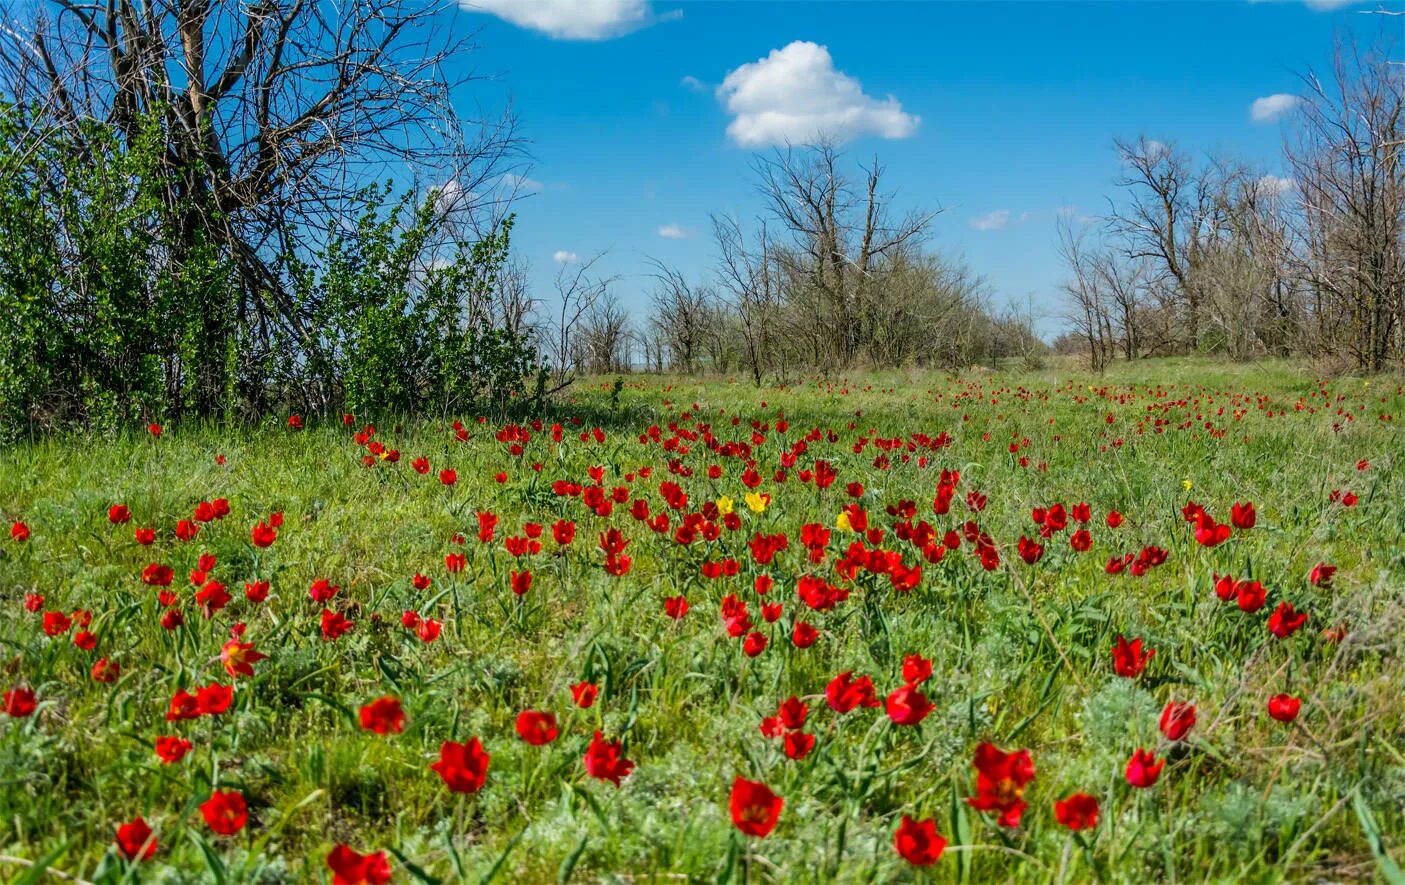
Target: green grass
[{"x": 1021, "y": 655}]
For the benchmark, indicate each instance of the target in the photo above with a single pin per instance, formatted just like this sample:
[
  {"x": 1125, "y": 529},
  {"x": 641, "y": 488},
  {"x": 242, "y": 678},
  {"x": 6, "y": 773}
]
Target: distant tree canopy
[
  {"x": 1214, "y": 255},
  {"x": 829, "y": 277}
]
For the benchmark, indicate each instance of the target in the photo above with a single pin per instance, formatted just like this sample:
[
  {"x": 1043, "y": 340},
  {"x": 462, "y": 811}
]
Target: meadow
[{"x": 1034, "y": 626}]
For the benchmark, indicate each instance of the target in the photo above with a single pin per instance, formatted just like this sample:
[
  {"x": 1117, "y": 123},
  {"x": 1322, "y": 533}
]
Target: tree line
[
  {"x": 828, "y": 277},
  {"x": 1209, "y": 254}
]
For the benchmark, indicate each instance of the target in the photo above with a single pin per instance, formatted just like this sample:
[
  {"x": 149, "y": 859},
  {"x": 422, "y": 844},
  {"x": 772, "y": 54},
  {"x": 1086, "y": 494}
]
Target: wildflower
[
  {"x": 350, "y": 868},
  {"x": 171, "y": 749},
  {"x": 1128, "y": 660},
  {"x": 462, "y": 767},
  {"x": 844, "y": 693},
  {"x": 383, "y": 716},
  {"x": 1177, "y": 720},
  {"x": 536, "y": 727},
  {"x": 603, "y": 760},
  {"x": 755, "y": 809},
  {"x": 239, "y": 658},
  {"x": 19, "y": 703},
  {"x": 1144, "y": 769},
  {"x": 1077, "y": 812},
  {"x": 136, "y": 840},
  {"x": 1000, "y": 782},
  {"x": 756, "y": 501},
  {"x": 908, "y": 706},
  {"x": 1284, "y": 707},
  {"x": 225, "y": 812},
  {"x": 1285, "y": 621},
  {"x": 918, "y": 842},
  {"x": 584, "y": 694}
]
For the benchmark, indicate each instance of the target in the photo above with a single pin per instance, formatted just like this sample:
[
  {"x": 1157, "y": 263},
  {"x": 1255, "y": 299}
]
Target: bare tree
[
  {"x": 838, "y": 236},
  {"x": 750, "y": 278},
  {"x": 1348, "y": 165},
  {"x": 1085, "y": 291},
  {"x": 680, "y": 315},
  {"x": 579, "y": 292}
]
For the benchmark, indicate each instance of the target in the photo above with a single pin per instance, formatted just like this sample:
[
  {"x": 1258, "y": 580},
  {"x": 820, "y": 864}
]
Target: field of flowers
[{"x": 1040, "y": 627}]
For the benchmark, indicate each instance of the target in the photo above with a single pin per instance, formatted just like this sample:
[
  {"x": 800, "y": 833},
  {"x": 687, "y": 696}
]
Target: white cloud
[
  {"x": 693, "y": 84},
  {"x": 1274, "y": 185},
  {"x": 573, "y": 19},
  {"x": 1271, "y": 107},
  {"x": 519, "y": 184},
  {"x": 1328, "y": 5},
  {"x": 996, "y": 220},
  {"x": 796, "y": 95},
  {"x": 563, "y": 257},
  {"x": 673, "y": 232}
]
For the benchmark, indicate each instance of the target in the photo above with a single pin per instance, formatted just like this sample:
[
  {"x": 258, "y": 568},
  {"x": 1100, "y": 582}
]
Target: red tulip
[
  {"x": 603, "y": 760},
  {"x": 334, "y": 625},
  {"x": 263, "y": 534},
  {"x": 1000, "y": 782},
  {"x": 1321, "y": 575},
  {"x": 19, "y": 532},
  {"x": 584, "y": 694},
  {"x": 19, "y": 703},
  {"x": 350, "y": 868},
  {"x": 136, "y": 840},
  {"x": 1243, "y": 515},
  {"x": 212, "y": 700},
  {"x": 918, "y": 842},
  {"x": 536, "y": 727},
  {"x": 916, "y": 669},
  {"x": 1077, "y": 812},
  {"x": 1144, "y": 769},
  {"x": 225, "y": 812},
  {"x": 844, "y": 693},
  {"x": 908, "y": 706},
  {"x": 755, "y": 809},
  {"x": 1177, "y": 720},
  {"x": 171, "y": 749},
  {"x": 463, "y": 767},
  {"x": 754, "y": 644},
  {"x": 804, "y": 635},
  {"x": 239, "y": 658},
  {"x": 1128, "y": 660},
  {"x": 118, "y": 514},
  {"x": 383, "y": 716},
  {"x": 798, "y": 744},
  {"x": 1284, "y": 621},
  {"x": 1284, "y": 707}
]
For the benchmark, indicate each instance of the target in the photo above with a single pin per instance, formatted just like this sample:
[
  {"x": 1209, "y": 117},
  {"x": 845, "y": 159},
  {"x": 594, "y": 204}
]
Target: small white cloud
[
  {"x": 561, "y": 256},
  {"x": 693, "y": 84},
  {"x": 1274, "y": 185},
  {"x": 1271, "y": 107},
  {"x": 573, "y": 19},
  {"x": 1329, "y": 5},
  {"x": 673, "y": 232},
  {"x": 996, "y": 220},
  {"x": 519, "y": 184},
  {"x": 795, "y": 95}
]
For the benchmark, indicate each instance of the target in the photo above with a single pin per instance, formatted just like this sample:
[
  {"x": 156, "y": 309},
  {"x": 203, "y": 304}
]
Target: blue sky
[{"x": 977, "y": 108}]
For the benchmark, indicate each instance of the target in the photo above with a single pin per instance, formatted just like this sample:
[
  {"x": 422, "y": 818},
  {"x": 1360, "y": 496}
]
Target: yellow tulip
[
  {"x": 756, "y": 501},
  {"x": 842, "y": 523},
  {"x": 724, "y": 505}
]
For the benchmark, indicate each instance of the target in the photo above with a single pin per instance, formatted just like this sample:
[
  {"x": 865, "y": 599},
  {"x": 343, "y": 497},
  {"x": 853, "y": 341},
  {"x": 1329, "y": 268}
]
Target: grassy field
[{"x": 1021, "y": 653}]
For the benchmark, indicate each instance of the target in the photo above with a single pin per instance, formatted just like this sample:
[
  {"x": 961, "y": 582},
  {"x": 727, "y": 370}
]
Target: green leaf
[{"x": 35, "y": 873}]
